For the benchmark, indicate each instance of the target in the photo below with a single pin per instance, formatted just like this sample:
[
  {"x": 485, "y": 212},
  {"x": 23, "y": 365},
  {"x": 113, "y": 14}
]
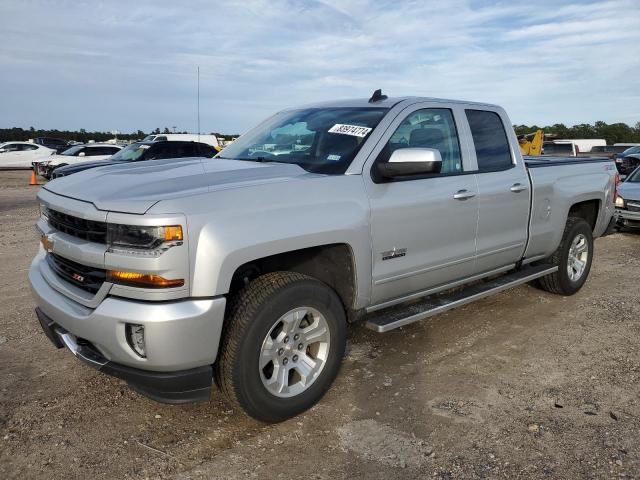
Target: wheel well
[
  {"x": 332, "y": 264},
  {"x": 587, "y": 210}
]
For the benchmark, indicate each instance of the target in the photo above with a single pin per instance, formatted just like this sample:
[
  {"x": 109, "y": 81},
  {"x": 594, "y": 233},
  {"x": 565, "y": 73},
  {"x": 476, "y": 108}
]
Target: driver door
[{"x": 423, "y": 228}]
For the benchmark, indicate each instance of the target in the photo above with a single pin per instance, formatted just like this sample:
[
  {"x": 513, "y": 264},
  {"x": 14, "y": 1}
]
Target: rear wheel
[
  {"x": 573, "y": 258},
  {"x": 282, "y": 347}
]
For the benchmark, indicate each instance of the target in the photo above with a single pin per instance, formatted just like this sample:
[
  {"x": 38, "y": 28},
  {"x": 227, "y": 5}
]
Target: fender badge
[
  {"x": 395, "y": 253},
  {"x": 47, "y": 243}
]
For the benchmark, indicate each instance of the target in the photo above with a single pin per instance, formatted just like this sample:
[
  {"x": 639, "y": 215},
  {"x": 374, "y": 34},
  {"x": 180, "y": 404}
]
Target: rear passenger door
[{"x": 503, "y": 192}]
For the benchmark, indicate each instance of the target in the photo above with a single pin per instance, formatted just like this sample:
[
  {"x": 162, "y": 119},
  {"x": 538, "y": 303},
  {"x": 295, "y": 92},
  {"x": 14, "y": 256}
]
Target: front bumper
[
  {"x": 179, "y": 335},
  {"x": 186, "y": 386},
  {"x": 624, "y": 216}
]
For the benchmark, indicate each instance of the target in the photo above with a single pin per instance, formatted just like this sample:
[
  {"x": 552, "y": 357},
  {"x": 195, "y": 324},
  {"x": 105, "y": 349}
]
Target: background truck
[
  {"x": 573, "y": 147},
  {"x": 246, "y": 269}
]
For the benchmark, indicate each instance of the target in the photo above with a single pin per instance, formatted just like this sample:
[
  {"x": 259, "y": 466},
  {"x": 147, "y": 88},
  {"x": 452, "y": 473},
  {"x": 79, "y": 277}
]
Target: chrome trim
[
  {"x": 517, "y": 188},
  {"x": 71, "y": 344},
  {"x": 463, "y": 195},
  {"x": 458, "y": 303},
  {"x": 441, "y": 288}
]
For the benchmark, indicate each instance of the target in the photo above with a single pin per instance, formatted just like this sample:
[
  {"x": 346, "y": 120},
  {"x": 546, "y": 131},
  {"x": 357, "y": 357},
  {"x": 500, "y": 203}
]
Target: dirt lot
[{"x": 525, "y": 384}]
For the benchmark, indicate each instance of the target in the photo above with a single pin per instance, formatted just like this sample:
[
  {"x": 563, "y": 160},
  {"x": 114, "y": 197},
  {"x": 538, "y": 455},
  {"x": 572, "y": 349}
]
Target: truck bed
[{"x": 555, "y": 190}]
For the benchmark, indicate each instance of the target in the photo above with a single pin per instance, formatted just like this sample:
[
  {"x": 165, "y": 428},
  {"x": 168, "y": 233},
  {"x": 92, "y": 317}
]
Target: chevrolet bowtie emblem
[{"x": 47, "y": 243}]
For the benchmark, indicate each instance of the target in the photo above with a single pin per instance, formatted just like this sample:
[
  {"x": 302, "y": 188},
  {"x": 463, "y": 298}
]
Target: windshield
[
  {"x": 553, "y": 148},
  {"x": 634, "y": 177},
  {"x": 129, "y": 154},
  {"x": 631, "y": 150},
  {"x": 321, "y": 140},
  {"x": 72, "y": 151},
  {"x": 149, "y": 138}
]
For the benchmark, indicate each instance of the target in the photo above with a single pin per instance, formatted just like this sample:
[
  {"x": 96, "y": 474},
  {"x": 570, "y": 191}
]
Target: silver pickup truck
[{"x": 246, "y": 269}]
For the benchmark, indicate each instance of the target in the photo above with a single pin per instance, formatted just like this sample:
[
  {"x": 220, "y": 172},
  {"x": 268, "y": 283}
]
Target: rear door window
[
  {"x": 490, "y": 141},
  {"x": 171, "y": 150},
  {"x": 205, "y": 150}
]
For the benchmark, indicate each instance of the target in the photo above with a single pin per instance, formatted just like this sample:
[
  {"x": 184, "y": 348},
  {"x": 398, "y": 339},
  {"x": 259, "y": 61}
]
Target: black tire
[
  {"x": 559, "y": 282},
  {"x": 251, "y": 315}
]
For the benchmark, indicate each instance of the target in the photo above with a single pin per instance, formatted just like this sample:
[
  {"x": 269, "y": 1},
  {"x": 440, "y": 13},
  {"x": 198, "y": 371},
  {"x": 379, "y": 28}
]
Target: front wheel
[
  {"x": 573, "y": 258},
  {"x": 282, "y": 346}
]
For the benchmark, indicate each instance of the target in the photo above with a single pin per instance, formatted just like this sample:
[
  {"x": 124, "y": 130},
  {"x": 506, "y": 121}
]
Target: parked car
[
  {"x": 57, "y": 144},
  {"x": 21, "y": 155},
  {"x": 248, "y": 268},
  {"x": 609, "y": 151},
  {"x": 140, "y": 151},
  {"x": 628, "y": 160},
  {"x": 74, "y": 155},
  {"x": 185, "y": 137},
  {"x": 628, "y": 201}
]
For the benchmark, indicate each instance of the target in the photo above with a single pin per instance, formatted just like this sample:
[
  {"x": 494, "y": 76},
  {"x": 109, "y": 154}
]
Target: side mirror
[
  {"x": 407, "y": 162},
  {"x": 81, "y": 154}
]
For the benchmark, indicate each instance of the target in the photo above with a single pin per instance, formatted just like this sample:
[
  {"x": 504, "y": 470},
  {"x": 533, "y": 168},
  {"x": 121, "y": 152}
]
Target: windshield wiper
[{"x": 255, "y": 159}]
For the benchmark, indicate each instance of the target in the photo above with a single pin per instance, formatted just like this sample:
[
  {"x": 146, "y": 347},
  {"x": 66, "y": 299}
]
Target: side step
[{"x": 404, "y": 314}]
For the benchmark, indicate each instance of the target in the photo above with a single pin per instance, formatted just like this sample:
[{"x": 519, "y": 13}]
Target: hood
[
  {"x": 136, "y": 187},
  {"x": 629, "y": 190}
]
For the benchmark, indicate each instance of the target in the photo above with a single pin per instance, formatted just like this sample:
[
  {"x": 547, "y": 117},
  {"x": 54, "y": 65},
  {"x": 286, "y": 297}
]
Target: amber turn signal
[
  {"x": 173, "y": 233},
  {"x": 143, "y": 280}
]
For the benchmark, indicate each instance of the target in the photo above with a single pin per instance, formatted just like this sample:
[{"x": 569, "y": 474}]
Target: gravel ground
[{"x": 521, "y": 385}]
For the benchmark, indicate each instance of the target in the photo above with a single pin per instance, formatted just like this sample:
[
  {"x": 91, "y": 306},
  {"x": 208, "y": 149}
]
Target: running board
[{"x": 400, "y": 315}]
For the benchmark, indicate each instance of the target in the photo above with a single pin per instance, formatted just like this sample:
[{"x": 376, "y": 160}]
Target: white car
[
  {"x": 73, "y": 155},
  {"x": 184, "y": 137},
  {"x": 14, "y": 155}
]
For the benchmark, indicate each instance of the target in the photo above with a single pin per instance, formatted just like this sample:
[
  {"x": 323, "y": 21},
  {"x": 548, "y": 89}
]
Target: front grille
[
  {"x": 87, "y": 278},
  {"x": 78, "y": 227}
]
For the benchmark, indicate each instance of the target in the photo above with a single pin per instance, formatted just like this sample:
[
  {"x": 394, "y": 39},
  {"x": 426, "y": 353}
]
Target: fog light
[{"x": 135, "y": 338}]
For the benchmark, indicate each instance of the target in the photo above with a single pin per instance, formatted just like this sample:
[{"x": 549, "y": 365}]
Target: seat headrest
[{"x": 426, "y": 138}]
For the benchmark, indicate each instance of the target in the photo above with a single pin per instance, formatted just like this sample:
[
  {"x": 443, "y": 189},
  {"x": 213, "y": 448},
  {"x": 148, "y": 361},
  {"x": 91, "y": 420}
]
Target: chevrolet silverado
[{"x": 245, "y": 270}]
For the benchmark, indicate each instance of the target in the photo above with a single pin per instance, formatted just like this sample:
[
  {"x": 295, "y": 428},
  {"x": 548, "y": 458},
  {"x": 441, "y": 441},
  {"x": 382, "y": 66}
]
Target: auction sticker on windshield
[{"x": 353, "y": 130}]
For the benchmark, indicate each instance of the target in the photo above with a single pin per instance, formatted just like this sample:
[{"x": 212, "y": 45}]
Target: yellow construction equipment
[{"x": 531, "y": 143}]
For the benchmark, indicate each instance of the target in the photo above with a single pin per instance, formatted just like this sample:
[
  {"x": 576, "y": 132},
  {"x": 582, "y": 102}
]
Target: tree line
[
  {"x": 611, "y": 132},
  {"x": 21, "y": 134}
]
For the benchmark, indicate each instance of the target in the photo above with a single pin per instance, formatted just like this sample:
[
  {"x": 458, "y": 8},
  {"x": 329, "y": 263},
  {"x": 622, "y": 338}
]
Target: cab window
[
  {"x": 428, "y": 128},
  {"x": 490, "y": 141}
]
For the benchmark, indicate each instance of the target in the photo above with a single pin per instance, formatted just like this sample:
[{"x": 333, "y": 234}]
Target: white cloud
[{"x": 129, "y": 65}]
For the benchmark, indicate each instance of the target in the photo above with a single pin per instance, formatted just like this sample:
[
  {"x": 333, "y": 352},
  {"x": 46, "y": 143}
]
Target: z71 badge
[{"x": 395, "y": 253}]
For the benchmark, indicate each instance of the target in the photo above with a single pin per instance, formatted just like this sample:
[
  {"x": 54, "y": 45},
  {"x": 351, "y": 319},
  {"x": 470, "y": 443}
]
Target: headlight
[
  {"x": 143, "y": 240},
  {"x": 619, "y": 202}
]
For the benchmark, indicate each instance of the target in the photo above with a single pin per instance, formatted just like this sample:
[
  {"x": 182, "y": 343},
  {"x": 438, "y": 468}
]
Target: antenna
[
  {"x": 377, "y": 96},
  {"x": 198, "y": 102}
]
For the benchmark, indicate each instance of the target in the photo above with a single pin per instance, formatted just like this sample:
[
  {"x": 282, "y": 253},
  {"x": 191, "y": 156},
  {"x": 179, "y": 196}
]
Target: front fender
[{"x": 256, "y": 222}]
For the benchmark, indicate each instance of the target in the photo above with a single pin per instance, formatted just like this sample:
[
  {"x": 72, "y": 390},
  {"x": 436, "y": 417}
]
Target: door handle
[
  {"x": 463, "y": 195},
  {"x": 518, "y": 187}
]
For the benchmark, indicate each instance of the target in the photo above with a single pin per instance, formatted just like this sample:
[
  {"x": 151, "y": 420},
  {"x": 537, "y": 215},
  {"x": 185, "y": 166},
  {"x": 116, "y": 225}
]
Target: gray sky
[{"x": 132, "y": 65}]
